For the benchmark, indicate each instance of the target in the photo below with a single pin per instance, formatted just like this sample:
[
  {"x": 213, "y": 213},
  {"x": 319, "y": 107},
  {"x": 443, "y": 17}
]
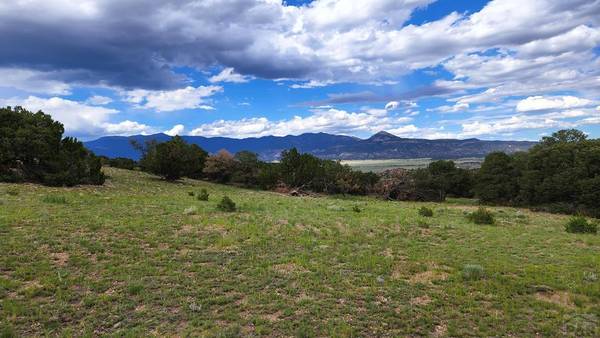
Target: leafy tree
[
  {"x": 561, "y": 173},
  {"x": 564, "y": 136},
  {"x": 563, "y": 169},
  {"x": 173, "y": 159},
  {"x": 32, "y": 150},
  {"x": 269, "y": 175},
  {"x": 220, "y": 167},
  {"x": 247, "y": 166},
  {"x": 445, "y": 178},
  {"x": 497, "y": 180},
  {"x": 300, "y": 170}
]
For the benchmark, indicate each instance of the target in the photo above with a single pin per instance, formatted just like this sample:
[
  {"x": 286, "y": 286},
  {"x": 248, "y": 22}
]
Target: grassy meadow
[
  {"x": 141, "y": 257},
  {"x": 378, "y": 166}
]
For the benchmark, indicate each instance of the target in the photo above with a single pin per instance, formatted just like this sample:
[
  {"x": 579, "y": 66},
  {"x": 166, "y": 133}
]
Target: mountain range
[{"x": 382, "y": 145}]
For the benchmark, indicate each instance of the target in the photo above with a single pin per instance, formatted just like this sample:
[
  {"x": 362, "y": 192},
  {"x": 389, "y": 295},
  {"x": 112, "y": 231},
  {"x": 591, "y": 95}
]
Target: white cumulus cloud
[
  {"x": 327, "y": 120},
  {"x": 229, "y": 75},
  {"x": 98, "y": 100},
  {"x": 535, "y": 103},
  {"x": 78, "y": 118},
  {"x": 172, "y": 100}
]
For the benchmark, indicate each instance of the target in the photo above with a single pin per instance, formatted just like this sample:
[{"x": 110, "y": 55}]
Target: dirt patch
[
  {"x": 428, "y": 277},
  {"x": 420, "y": 301},
  {"x": 388, "y": 252},
  {"x": 272, "y": 317},
  {"x": 184, "y": 252},
  {"x": 186, "y": 229},
  {"x": 440, "y": 330},
  {"x": 399, "y": 271},
  {"x": 60, "y": 258},
  {"x": 560, "y": 298},
  {"x": 288, "y": 268}
]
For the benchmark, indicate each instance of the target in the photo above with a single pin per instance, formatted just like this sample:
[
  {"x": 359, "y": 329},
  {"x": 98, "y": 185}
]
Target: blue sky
[{"x": 501, "y": 69}]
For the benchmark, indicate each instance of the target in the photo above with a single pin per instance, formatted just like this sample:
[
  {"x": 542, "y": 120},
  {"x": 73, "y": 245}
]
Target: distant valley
[{"x": 380, "y": 146}]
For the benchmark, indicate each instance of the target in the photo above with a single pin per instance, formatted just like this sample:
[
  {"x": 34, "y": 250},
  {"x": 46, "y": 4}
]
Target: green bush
[
  {"x": 481, "y": 216},
  {"x": 191, "y": 193},
  {"x": 425, "y": 212},
  {"x": 54, "y": 199},
  {"x": 356, "y": 208},
  {"x": 226, "y": 204},
  {"x": 472, "y": 272},
  {"x": 580, "y": 224},
  {"x": 202, "y": 195}
]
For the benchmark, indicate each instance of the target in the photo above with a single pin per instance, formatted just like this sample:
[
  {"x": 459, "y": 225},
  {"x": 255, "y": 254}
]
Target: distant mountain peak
[{"x": 383, "y": 136}]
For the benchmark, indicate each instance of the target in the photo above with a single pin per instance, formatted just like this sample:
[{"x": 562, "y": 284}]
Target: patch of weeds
[
  {"x": 520, "y": 215},
  {"x": 356, "y": 208},
  {"x": 7, "y": 331},
  {"x": 422, "y": 224},
  {"x": 12, "y": 191},
  {"x": 580, "y": 225},
  {"x": 335, "y": 207},
  {"x": 54, "y": 199},
  {"x": 191, "y": 193},
  {"x": 190, "y": 211},
  {"x": 425, "y": 211},
  {"x": 581, "y": 325},
  {"x": 481, "y": 216},
  {"x": 135, "y": 289},
  {"x": 305, "y": 330},
  {"x": 233, "y": 331},
  {"x": 472, "y": 272},
  {"x": 202, "y": 195},
  {"x": 227, "y": 204}
]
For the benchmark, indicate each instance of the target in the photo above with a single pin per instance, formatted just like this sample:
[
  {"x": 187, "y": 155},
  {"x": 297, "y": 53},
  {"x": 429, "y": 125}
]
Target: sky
[{"x": 500, "y": 69}]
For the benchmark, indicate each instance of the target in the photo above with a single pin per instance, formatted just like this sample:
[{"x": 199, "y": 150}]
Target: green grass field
[
  {"x": 140, "y": 257},
  {"x": 378, "y": 166}
]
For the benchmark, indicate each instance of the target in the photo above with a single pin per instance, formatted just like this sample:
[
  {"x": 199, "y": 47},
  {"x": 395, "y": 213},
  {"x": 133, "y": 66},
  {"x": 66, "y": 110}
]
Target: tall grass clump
[
  {"x": 12, "y": 191},
  {"x": 482, "y": 216},
  {"x": 473, "y": 272},
  {"x": 425, "y": 212},
  {"x": 202, "y": 195},
  {"x": 54, "y": 199},
  {"x": 227, "y": 205},
  {"x": 580, "y": 225}
]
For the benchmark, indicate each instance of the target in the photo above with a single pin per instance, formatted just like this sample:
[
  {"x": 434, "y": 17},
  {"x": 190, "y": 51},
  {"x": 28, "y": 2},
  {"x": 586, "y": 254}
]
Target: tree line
[
  {"x": 32, "y": 149},
  {"x": 561, "y": 173},
  {"x": 176, "y": 158}
]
